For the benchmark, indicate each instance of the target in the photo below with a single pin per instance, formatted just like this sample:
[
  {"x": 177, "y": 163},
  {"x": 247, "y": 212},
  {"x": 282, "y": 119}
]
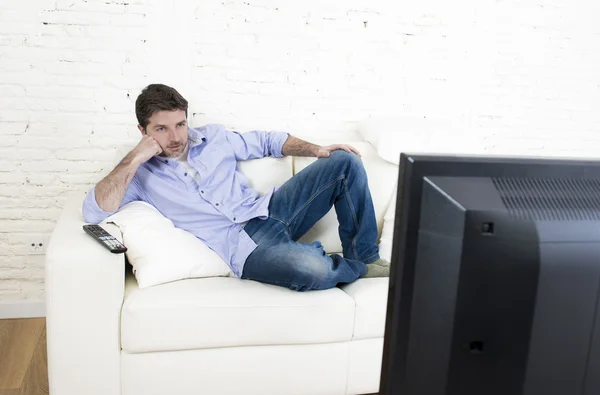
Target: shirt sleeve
[
  {"x": 256, "y": 144},
  {"x": 93, "y": 214}
]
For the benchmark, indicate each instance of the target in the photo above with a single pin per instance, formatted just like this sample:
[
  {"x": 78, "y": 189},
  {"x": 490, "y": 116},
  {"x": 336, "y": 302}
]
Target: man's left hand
[{"x": 324, "y": 152}]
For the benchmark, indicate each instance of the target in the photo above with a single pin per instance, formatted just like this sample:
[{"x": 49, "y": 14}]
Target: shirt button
[
  {"x": 217, "y": 204},
  {"x": 201, "y": 191},
  {"x": 185, "y": 174}
]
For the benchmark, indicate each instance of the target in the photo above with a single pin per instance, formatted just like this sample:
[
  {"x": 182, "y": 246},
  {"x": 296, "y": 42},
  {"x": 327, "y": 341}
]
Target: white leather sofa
[{"x": 212, "y": 336}]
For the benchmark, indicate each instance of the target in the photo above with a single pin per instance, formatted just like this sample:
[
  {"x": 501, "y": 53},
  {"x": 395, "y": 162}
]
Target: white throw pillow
[{"x": 159, "y": 252}]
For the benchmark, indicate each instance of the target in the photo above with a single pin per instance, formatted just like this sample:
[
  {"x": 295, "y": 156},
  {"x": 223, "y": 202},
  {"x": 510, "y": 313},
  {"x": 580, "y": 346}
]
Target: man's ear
[{"x": 142, "y": 130}]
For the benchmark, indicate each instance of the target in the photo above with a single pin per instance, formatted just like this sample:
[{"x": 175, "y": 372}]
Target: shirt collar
[{"x": 196, "y": 136}]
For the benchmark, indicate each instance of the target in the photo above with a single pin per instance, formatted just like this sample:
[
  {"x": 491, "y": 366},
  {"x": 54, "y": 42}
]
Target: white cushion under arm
[{"x": 84, "y": 295}]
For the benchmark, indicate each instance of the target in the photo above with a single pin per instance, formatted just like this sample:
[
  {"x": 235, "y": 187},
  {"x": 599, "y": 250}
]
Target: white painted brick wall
[{"x": 505, "y": 76}]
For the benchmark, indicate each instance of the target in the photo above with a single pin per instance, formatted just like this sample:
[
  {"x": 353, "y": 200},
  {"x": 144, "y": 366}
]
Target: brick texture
[{"x": 505, "y": 76}]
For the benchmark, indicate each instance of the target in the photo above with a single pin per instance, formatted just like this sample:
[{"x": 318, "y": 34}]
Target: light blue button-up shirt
[{"x": 215, "y": 208}]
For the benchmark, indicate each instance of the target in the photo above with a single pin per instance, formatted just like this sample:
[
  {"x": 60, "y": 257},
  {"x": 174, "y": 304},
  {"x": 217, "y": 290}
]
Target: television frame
[{"x": 413, "y": 168}]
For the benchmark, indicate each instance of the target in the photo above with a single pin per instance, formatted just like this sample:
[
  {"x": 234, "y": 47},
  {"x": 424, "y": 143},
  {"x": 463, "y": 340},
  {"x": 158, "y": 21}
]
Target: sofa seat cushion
[
  {"x": 229, "y": 312},
  {"x": 370, "y": 296}
]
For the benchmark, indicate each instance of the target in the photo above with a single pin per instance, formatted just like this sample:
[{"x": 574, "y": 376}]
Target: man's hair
[{"x": 158, "y": 97}]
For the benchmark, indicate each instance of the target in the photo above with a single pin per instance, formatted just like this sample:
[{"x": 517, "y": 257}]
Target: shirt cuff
[
  {"x": 92, "y": 213},
  {"x": 277, "y": 139}
]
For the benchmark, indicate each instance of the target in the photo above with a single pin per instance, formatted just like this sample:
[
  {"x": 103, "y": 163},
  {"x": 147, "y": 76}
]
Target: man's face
[{"x": 169, "y": 129}]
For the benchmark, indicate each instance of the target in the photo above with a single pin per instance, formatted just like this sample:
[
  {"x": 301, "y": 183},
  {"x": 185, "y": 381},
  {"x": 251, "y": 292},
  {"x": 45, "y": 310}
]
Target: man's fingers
[
  {"x": 352, "y": 149},
  {"x": 345, "y": 147},
  {"x": 356, "y": 151},
  {"x": 340, "y": 146}
]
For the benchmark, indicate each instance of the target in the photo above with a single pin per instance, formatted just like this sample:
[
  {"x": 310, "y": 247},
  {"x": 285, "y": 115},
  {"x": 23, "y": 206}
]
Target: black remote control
[{"x": 105, "y": 238}]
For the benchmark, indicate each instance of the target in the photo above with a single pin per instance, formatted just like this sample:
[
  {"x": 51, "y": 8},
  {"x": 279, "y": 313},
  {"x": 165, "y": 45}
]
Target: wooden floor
[{"x": 23, "y": 360}]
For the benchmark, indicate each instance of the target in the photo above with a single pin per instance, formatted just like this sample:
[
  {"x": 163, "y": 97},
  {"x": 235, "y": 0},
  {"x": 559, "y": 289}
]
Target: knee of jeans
[
  {"x": 312, "y": 272},
  {"x": 349, "y": 158}
]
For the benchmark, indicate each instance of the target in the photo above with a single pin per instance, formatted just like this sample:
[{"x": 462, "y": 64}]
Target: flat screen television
[{"x": 495, "y": 278}]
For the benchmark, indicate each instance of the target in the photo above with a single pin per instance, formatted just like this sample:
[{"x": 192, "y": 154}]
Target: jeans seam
[
  {"x": 280, "y": 220},
  {"x": 313, "y": 197},
  {"x": 351, "y": 207}
]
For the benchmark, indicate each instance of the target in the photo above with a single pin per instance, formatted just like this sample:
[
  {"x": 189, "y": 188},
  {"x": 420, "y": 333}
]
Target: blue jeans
[{"x": 339, "y": 180}]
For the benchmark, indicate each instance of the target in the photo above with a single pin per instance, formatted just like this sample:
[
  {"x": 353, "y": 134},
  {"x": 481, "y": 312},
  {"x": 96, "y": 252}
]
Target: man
[{"x": 190, "y": 176}]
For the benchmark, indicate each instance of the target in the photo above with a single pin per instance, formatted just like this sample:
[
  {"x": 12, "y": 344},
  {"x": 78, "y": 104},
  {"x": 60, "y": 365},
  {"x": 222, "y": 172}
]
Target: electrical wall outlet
[{"x": 37, "y": 246}]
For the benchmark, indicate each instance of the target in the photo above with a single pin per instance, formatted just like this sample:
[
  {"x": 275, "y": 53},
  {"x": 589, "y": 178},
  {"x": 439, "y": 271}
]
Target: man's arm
[
  {"x": 111, "y": 190},
  {"x": 255, "y": 144},
  {"x": 297, "y": 147},
  {"x": 294, "y": 146},
  {"x": 117, "y": 188},
  {"x": 258, "y": 144}
]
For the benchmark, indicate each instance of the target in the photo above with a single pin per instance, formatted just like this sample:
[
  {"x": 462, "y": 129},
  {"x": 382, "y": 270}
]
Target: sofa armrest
[{"x": 84, "y": 294}]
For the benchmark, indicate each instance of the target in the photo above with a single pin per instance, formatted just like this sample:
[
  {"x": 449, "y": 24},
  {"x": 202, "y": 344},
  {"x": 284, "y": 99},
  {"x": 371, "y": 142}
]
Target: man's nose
[{"x": 171, "y": 135}]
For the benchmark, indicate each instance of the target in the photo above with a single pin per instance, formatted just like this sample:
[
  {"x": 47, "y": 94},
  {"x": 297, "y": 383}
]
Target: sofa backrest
[{"x": 265, "y": 173}]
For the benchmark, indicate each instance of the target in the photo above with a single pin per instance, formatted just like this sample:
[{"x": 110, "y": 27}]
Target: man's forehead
[{"x": 168, "y": 117}]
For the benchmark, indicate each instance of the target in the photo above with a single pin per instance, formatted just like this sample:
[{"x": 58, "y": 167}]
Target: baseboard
[{"x": 22, "y": 310}]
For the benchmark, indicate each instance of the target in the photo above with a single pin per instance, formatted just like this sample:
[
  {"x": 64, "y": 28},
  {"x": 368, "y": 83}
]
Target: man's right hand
[{"x": 146, "y": 149}]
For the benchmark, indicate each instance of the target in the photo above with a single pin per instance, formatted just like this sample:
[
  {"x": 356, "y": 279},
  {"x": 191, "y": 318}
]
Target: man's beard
[{"x": 165, "y": 154}]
